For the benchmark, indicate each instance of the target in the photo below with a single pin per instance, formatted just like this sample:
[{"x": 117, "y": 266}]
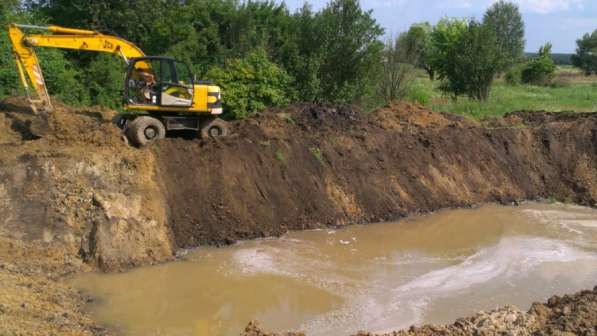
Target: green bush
[
  {"x": 586, "y": 53},
  {"x": 539, "y": 71},
  {"x": 471, "y": 60},
  {"x": 514, "y": 75},
  {"x": 418, "y": 94},
  {"x": 251, "y": 84},
  {"x": 105, "y": 78}
]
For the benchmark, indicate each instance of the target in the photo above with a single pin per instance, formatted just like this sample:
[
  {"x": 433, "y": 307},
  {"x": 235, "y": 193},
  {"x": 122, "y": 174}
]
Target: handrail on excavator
[{"x": 58, "y": 29}]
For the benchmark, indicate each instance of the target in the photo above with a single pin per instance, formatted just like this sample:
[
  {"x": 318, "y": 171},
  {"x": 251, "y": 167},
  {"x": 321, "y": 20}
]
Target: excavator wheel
[
  {"x": 144, "y": 130},
  {"x": 214, "y": 128}
]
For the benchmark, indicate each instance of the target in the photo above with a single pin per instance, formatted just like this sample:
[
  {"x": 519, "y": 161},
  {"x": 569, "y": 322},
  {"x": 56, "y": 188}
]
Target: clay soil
[{"x": 75, "y": 198}]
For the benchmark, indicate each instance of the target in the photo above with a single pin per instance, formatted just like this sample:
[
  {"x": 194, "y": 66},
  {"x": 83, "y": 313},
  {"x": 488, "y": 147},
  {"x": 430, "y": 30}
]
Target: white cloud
[
  {"x": 385, "y": 3},
  {"x": 548, "y": 6},
  {"x": 462, "y": 4}
]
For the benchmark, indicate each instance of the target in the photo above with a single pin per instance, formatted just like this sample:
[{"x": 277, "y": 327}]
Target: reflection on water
[{"x": 429, "y": 269}]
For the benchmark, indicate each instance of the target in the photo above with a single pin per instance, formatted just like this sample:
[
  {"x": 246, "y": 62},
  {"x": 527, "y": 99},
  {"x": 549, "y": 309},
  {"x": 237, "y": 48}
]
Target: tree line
[{"x": 263, "y": 54}]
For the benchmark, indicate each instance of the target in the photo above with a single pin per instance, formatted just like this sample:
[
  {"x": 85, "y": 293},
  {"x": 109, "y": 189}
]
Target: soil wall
[
  {"x": 82, "y": 188},
  {"x": 312, "y": 166}
]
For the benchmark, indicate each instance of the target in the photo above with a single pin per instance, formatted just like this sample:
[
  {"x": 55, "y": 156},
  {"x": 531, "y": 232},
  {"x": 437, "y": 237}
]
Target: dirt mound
[
  {"x": 311, "y": 166},
  {"x": 569, "y": 315},
  {"x": 573, "y": 314},
  {"x": 406, "y": 115},
  {"x": 62, "y": 127}
]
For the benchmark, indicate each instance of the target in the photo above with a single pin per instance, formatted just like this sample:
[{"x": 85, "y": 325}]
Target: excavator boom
[{"x": 62, "y": 38}]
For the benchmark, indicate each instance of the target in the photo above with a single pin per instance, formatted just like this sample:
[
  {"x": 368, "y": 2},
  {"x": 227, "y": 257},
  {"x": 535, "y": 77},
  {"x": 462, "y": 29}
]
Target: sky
[{"x": 560, "y": 22}]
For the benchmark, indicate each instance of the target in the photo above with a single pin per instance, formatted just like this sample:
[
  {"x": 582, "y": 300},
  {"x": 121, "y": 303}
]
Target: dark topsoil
[{"x": 310, "y": 166}]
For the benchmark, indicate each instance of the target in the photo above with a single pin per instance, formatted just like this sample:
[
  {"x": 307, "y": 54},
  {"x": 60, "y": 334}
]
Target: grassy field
[{"x": 571, "y": 91}]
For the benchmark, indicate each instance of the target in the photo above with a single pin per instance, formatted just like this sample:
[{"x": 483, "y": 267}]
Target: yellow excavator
[{"x": 160, "y": 93}]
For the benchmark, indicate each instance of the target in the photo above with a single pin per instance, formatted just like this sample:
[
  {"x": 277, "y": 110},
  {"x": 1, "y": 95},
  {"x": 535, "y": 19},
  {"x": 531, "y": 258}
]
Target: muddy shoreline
[
  {"x": 79, "y": 199},
  {"x": 574, "y": 314}
]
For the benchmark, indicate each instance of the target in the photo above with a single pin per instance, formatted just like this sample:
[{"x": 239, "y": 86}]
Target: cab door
[
  {"x": 159, "y": 81},
  {"x": 176, "y": 84}
]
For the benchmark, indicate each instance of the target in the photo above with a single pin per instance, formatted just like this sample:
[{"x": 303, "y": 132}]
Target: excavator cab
[{"x": 159, "y": 81}]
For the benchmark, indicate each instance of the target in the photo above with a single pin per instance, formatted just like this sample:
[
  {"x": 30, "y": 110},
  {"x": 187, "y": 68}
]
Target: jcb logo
[{"x": 108, "y": 45}]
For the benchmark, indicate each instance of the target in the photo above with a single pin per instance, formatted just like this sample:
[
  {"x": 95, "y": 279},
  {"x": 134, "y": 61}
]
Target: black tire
[
  {"x": 214, "y": 128},
  {"x": 144, "y": 130}
]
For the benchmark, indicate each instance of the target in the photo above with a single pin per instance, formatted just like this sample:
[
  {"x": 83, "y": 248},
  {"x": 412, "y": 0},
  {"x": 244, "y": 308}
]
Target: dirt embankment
[
  {"x": 75, "y": 199},
  {"x": 79, "y": 198},
  {"x": 311, "y": 166}
]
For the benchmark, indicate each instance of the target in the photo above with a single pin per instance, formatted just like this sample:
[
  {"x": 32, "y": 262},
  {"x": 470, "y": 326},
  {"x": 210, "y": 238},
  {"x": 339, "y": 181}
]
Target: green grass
[
  {"x": 280, "y": 156},
  {"x": 317, "y": 154},
  {"x": 564, "y": 95}
]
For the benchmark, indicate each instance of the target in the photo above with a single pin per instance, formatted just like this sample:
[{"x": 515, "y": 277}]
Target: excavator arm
[{"x": 62, "y": 38}]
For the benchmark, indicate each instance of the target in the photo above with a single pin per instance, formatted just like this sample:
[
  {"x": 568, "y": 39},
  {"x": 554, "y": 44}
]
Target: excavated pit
[{"x": 77, "y": 197}]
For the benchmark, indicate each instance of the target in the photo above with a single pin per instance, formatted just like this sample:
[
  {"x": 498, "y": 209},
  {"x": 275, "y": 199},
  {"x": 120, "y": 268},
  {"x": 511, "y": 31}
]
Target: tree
[
  {"x": 9, "y": 79},
  {"x": 586, "y": 53},
  {"x": 104, "y": 77},
  {"x": 444, "y": 37},
  {"x": 471, "y": 61},
  {"x": 62, "y": 78},
  {"x": 505, "y": 19},
  {"x": 418, "y": 43},
  {"x": 540, "y": 70},
  {"x": 398, "y": 65},
  {"x": 251, "y": 84},
  {"x": 349, "y": 49}
]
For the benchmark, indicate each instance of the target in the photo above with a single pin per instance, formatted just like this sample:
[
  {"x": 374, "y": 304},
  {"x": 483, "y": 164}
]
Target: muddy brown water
[{"x": 427, "y": 269}]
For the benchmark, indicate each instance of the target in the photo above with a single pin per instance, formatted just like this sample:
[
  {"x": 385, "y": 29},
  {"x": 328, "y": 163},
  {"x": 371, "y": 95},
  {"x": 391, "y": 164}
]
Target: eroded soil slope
[
  {"x": 311, "y": 166},
  {"x": 75, "y": 199}
]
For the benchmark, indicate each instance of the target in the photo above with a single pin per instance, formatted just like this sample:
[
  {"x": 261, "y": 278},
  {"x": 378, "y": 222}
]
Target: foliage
[
  {"x": 399, "y": 57},
  {"x": 60, "y": 74},
  {"x": 350, "y": 50},
  {"x": 418, "y": 44},
  {"x": 514, "y": 75},
  {"x": 540, "y": 70},
  {"x": 317, "y": 154},
  {"x": 419, "y": 93},
  {"x": 9, "y": 78},
  {"x": 63, "y": 78},
  {"x": 280, "y": 156},
  {"x": 505, "y": 19},
  {"x": 586, "y": 53},
  {"x": 545, "y": 50},
  {"x": 471, "y": 59},
  {"x": 251, "y": 84},
  {"x": 104, "y": 78},
  {"x": 444, "y": 38}
]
